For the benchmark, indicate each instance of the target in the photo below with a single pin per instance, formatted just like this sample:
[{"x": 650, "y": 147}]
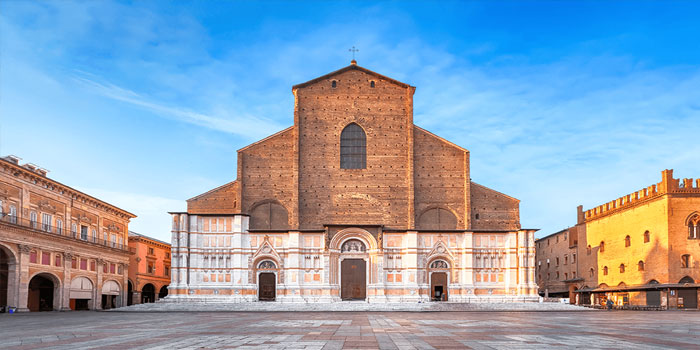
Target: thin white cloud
[
  {"x": 152, "y": 211},
  {"x": 247, "y": 126}
]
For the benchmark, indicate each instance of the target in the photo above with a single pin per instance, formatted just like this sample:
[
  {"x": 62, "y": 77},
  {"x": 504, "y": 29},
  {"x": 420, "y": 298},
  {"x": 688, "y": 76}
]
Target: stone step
[{"x": 209, "y": 306}]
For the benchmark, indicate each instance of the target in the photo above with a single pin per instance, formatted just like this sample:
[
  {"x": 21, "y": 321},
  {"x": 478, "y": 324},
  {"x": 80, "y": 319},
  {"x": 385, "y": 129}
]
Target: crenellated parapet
[{"x": 667, "y": 185}]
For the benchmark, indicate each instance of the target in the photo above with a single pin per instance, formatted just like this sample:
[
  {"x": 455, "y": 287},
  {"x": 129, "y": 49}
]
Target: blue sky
[{"x": 144, "y": 104}]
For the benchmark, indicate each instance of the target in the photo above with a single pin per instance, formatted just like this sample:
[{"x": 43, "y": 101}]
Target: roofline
[
  {"x": 212, "y": 190},
  {"x": 131, "y": 215},
  {"x": 347, "y": 68},
  {"x": 501, "y": 193},
  {"x": 553, "y": 234},
  {"x": 265, "y": 139},
  {"x": 441, "y": 138},
  {"x": 135, "y": 234}
]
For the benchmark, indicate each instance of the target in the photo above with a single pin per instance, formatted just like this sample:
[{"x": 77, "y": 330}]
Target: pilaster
[
  {"x": 23, "y": 268},
  {"x": 67, "y": 279}
]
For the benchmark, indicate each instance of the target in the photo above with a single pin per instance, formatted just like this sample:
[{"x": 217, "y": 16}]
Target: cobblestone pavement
[{"x": 351, "y": 330}]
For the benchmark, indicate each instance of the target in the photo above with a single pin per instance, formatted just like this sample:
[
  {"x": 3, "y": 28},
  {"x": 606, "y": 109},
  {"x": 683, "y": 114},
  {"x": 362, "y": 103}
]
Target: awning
[
  {"x": 641, "y": 287},
  {"x": 80, "y": 288},
  {"x": 110, "y": 288}
]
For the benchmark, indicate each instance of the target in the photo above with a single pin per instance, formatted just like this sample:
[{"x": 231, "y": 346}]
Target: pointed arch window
[
  {"x": 694, "y": 227},
  {"x": 640, "y": 265},
  {"x": 647, "y": 237},
  {"x": 605, "y": 270},
  {"x": 353, "y": 147},
  {"x": 628, "y": 241}
]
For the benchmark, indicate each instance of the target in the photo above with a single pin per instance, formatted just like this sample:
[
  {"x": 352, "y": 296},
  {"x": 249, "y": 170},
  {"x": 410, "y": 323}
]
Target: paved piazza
[{"x": 351, "y": 330}]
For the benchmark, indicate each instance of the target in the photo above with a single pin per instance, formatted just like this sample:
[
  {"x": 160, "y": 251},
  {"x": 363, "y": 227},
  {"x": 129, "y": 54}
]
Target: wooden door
[
  {"x": 353, "y": 279},
  {"x": 266, "y": 286},
  {"x": 438, "y": 286}
]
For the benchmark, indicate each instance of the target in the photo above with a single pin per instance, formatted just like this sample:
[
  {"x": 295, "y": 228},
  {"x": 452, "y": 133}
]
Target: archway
[
  {"x": 8, "y": 278},
  {"x": 80, "y": 295},
  {"x": 353, "y": 270},
  {"x": 43, "y": 290},
  {"x": 437, "y": 270},
  {"x": 4, "y": 278},
  {"x": 110, "y": 295},
  {"x": 130, "y": 294},
  {"x": 148, "y": 293},
  {"x": 163, "y": 292},
  {"x": 267, "y": 280}
]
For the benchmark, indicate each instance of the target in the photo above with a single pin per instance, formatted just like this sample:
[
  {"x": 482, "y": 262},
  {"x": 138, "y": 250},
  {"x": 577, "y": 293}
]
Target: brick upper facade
[{"x": 412, "y": 179}]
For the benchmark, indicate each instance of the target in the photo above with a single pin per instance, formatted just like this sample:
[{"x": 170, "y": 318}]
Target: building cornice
[{"x": 47, "y": 183}]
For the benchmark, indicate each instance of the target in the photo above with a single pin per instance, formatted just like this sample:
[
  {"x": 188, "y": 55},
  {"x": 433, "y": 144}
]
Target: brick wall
[
  {"x": 376, "y": 195},
  {"x": 217, "y": 201},
  {"x": 440, "y": 172},
  {"x": 493, "y": 210}
]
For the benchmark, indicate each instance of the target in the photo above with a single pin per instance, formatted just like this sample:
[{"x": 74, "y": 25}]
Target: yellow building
[{"x": 641, "y": 249}]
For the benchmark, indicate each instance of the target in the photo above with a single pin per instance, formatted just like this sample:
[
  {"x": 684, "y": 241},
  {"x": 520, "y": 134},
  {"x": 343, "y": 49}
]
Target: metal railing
[{"x": 58, "y": 231}]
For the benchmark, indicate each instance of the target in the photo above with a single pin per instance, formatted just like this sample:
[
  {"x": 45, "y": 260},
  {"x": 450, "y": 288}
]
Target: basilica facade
[{"x": 352, "y": 202}]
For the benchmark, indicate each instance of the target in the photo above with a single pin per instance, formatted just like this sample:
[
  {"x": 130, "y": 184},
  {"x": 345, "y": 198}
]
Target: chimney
[
  {"x": 579, "y": 214},
  {"x": 12, "y": 159}
]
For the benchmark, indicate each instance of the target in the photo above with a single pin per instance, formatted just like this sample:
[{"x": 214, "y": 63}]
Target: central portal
[
  {"x": 353, "y": 279},
  {"x": 267, "y": 286}
]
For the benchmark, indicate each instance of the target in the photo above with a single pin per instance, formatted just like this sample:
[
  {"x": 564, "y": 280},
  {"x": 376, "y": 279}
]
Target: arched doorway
[
  {"x": 163, "y": 292},
  {"x": 353, "y": 270},
  {"x": 438, "y": 280},
  {"x": 267, "y": 281},
  {"x": 110, "y": 295},
  {"x": 8, "y": 278},
  {"x": 130, "y": 294},
  {"x": 81, "y": 290},
  {"x": 687, "y": 297},
  {"x": 4, "y": 278},
  {"x": 148, "y": 293},
  {"x": 42, "y": 293}
]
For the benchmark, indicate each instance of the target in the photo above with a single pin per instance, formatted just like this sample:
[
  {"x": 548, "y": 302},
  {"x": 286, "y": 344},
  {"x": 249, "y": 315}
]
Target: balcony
[{"x": 57, "y": 231}]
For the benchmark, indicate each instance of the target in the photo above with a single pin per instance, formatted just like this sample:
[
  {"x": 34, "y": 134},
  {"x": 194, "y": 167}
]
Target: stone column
[
  {"x": 23, "y": 278},
  {"x": 67, "y": 279},
  {"x": 13, "y": 274},
  {"x": 136, "y": 292},
  {"x": 125, "y": 286},
  {"x": 98, "y": 284},
  {"x": 174, "y": 251}
]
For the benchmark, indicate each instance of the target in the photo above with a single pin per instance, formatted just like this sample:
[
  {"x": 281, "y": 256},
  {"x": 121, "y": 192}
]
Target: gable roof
[
  {"x": 213, "y": 190},
  {"x": 441, "y": 139},
  {"x": 497, "y": 192},
  {"x": 348, "y": 68}
]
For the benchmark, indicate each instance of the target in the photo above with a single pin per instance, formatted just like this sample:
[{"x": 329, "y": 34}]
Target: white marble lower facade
[{"x": 216, "y": 258}]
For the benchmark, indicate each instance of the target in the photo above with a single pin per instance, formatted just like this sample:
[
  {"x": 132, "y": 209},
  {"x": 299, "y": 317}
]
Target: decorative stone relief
[{"x": 353, "y": 246}]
